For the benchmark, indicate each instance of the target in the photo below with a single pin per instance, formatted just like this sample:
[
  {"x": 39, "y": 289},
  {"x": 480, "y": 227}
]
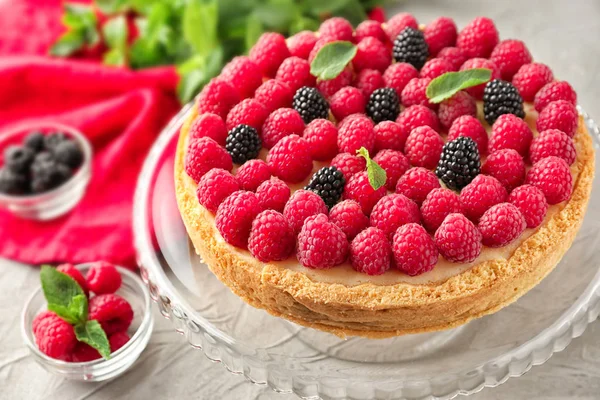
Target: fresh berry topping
[
  {"x": 458, "y": 239},
  {"x": 321, "y": 135},
  {"x": 209, "y": 125},
  {"x": 500, "y": 98},
  {"x": 456, "y": 106},
  {"x": 398, "y": 23},
  {"x": 454, "y": 55},
  {"x": 118, "y": 340},
  {"x": 295, "y": 72},
  {"x": 532, "y": 204},
  {"x": 414, "y": 93},
  {"x": 560, "y": 115},
  {"x": 103, "y": 278},
  {"x": 346, "y": 101},
  {"x": 377, "y": 14},
  {"x": 469, "y": 126},
  {"x": 274, "y": 94},
  {"x": 438, "y": 204},
  {"x": 74, "y": 273},
  {"x": 321, "y": 244},
  {"x": 440, "y": 33},
  {"x": 18, "y": 159},
  {"x": 242, "y": 74},
  {"x": 301, "y": 44},
  {"x": 389, "y": 135},
  {"x": 510, "y": 132},
  {"x": 530, "y": 78},
  {"x": 243, "y": 143},
  {"x": 214, "y": 187},
  {"x": 415, "y": 116},
  {"x": 359, "y": 189},
  {"x": 302, "y": 205},
  {"x": 478, "y": 90},
  {"x": 393, "y": 211},
  {"x": 371, "y": 54},
  {"x": 54, "y": 336},
  {"x": 35, "y": 141},
  {"x": 459, "y": 163},
  {"x": 271, "y": 237},
  {"x": 13, "y": 183},
  {"x": 217, "y": 97},
  {"x": 410, "y": 47},
  {"x": 383, "y": 105},
  {"x": 478, "y": 38},
  {"x": 552, "y": 142},
  {"x": 310, "y": 104},
  {"x": 479, "y": 195},
  {"x": 112, "y": 312},
  {"x": 248, "y": 112},
  {"x": 348, "y": 216},
  {"x": 370, "y": 252},
  {"x": 328, "y": 183},
  {"x": 279, "y": 124},
  {"x": 349, "y": 164},
  {"x": 398, "y": 75},
  {"x": 501, "y": 224},
  {"x": 337, "y": 28},
  {"x": 553, "y": 177},
  {"x": 507, "y": 166},
  {"x": 354, "y": 132},
  {"x": 367, "y": 81},
  {"x": 203, "y": 155},
  {"x": 395, "y": 165},
  {"x": 414, "y": 250},
  {"x": 235, "y": 215},
  {"x": 553, "y": 91},
  {"x": 252, "y": 173},
  {"x": 290, "y": 159},
  {"x": 424, "y": 147},
  {"x": 417, "y": 183},
  {"x": 269, "y": 52},
  {"x": 436, "y": 67},
  {"x": 330, "y": 87},
  {"x": 273, "y": 194},
  {"x": 370, "y": 29},
  {"x": 509, "y": 56}
]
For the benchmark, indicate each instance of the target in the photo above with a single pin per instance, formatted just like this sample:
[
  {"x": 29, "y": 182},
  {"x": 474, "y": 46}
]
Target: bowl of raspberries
[
  {"x": 44, "y": 170},
  {"x": 88, "y": 322}
]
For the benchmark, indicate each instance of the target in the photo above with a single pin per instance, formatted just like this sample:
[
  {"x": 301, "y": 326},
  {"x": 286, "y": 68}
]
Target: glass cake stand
[{"x": 312, "y": 364}]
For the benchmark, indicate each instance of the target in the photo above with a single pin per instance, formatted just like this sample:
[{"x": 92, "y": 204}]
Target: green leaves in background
[
  {"x": 92, "y": 333},
  {"x": 115, "y": 34},
  {"x": 375, "y": 173},
  {"x": 331, "y": 59},
  {"x": 81, "y": 22},
  {"x": 447, "y": 85}
]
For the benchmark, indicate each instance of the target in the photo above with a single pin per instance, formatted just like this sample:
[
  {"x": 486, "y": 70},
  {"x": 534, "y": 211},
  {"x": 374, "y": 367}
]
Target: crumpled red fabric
[{"x": 119, "y": 110}]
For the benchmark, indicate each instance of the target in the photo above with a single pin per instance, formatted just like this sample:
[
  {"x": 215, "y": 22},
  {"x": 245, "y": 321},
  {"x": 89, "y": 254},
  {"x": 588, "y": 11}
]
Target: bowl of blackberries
[{"x": 44, "y": 170}]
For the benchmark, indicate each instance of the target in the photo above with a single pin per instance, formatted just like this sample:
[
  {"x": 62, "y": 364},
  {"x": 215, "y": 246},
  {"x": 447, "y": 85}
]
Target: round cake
[{"x": 384, "y": 180}]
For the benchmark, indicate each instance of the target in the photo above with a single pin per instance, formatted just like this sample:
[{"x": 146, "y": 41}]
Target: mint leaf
[
  {"x": 64, "y": 296},
  {"x": 331, "y": 59},
  {"x": 91, "y": 332},
  {"x": 375, "y": 173},
  {"x": 199, "y": 23},
  {"x": 70, "y": 42},
  {"x": 115, "y": 32},
  {"x": 447, "y": 85}
]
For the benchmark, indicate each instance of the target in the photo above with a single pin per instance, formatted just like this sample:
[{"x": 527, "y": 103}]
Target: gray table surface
[{"x": 563, "y": 34}]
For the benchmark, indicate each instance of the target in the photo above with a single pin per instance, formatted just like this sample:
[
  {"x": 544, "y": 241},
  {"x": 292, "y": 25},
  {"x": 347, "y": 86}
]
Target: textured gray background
[{"x": 563, "y": 34}]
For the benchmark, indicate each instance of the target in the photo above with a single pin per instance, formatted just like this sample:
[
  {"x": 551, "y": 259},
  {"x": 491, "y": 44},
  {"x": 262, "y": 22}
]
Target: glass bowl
[
  {"x": 58, "y": 201},
  {"x": 135, "y": 292},
  {"x": 314, "y": 365}
]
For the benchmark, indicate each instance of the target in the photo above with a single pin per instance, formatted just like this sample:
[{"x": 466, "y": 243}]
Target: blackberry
[
  {"x": 53, "y": 139},
  {"x": 35, "y": 141},
  {"x": 12, "y": 182},
  {"x": 459, "y": 163},
  {"x": 18, "y": 158},
  {"x": 410, "y": 47},
  {"x": 501, "y": 97},
  {"x": 328, "y": 183},
  {"x": 243, "y": 143},
  {"x": 383, "y": 105},
  {"x": 311, "y": 104},
  {"x": 68, "y": 153},
  {"x": 47, "y": 174}
]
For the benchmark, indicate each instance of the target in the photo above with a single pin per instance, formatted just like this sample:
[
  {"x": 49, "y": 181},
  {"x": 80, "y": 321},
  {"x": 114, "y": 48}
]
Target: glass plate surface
[{"x": 316, "y": 365}]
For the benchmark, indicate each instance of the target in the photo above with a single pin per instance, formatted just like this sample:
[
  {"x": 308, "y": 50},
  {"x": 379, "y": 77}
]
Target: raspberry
[
  {"x": 440, "y": 33},
  {"x": 456, "y": 106},
  {"x": 507, "y": 166},
  {"x": 321, "y": 135},
  {"x": 337, "y": 28},
  {"x": 509, "y": 56},
  {"x": 414, "y": 93},
  {"x": 501, "y": 224},
  {"x": 368, "y": 80},
  {"x": 416, "y": 116},
  {"x": 235, "y": 215},
  {"x": 510, "y": 132},
  {"x": 349, "y": 164},
  {"x": 330, "y": 87},
  {"x": 371, "y": 54},
  {"x": 302, "y": 205},
  {"x": 424, "y": 147},
  {"x": 359, "y": 189},
  {"x": 346, "y": 101},
  {"x": 553, "y": 177},
  {"x": 560, "y": 115},
  {"x": 310, "y": 104},
  {"x": 410, "y": 46},
  {"x": 395, "y": 165},
  {"x": 209, "y": 125},
  {"x": 103, "y": 278},
  {"x": 417, "y": 183},
  {"x": 383, "y": 105},
  {"x": 83, "y": 352},
  {"x": 370, "y": 29},
  {"x": 553, "y": 91},
  {"x": 479, "y": 195},
  {"x": 398, "y": 23},
  {"x": 248, "y": 112},
  {"x": 477, "y": 91},
  {"x": 436, "y": 67},
  {"x": 118, "y": 340},
  {"x": 530, "y": 78},
  {"x": 53, "y": 336},
  {"x": 112, "y": 311},
  {"x": 242, "y": 74},
  {"x": 203, "y": 155},
  {"x": 271, "y": 237},
  {"x": 393, "y": 211},
  {"x": 348, "y": 216},
  {"x": 321, "y": 244},
  {"x": 252, "y": 173},
  {"x": 217, "y": 97},
  {"x": 478, "y": 38},
  {"x": 274, "y": 94},
  {"x": 273, "y": 194},
  {"x": 457, "y": 239},
  {"x": 414, "y": 250},
  {"x": 469, "y": 126},
  {"x": 454, "y": 55},
  {"x": 73, "y": 272},
  {"x": 269, "y": 52},
  {"x": 389, "y": 135},
  {"x": 301, "y": 44},
  {"x": 290, "y": 159},
  {"x": 438, "y": 204},
  {"x": 295, "y": 72},
  {"x": 532, "y": 204},
  {"x": 552, "y": 142},
  {"x": 354, "y": 132},
  {"x": 398, "y": 75},
  {"x": 279, "y": 124},
  {"x": 214, "y": 187},
  {"x": 370, "y": 252},
  {"x": 377, "y": 14}
]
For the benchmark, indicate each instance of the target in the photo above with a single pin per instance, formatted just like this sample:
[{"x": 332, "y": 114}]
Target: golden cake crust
[{"x": 380, "y": 311}]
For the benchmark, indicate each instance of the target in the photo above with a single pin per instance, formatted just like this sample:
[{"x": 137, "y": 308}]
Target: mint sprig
[
  {"x": 375, "y": 173},
  {"x": 447, "y": 85},
  {"x": 92, "y": 333},
  {"x": 331, "y": 59}
]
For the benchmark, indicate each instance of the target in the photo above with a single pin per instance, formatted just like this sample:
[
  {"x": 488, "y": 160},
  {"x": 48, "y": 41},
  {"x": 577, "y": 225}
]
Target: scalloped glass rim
[{"x": 260, "y": 367}]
